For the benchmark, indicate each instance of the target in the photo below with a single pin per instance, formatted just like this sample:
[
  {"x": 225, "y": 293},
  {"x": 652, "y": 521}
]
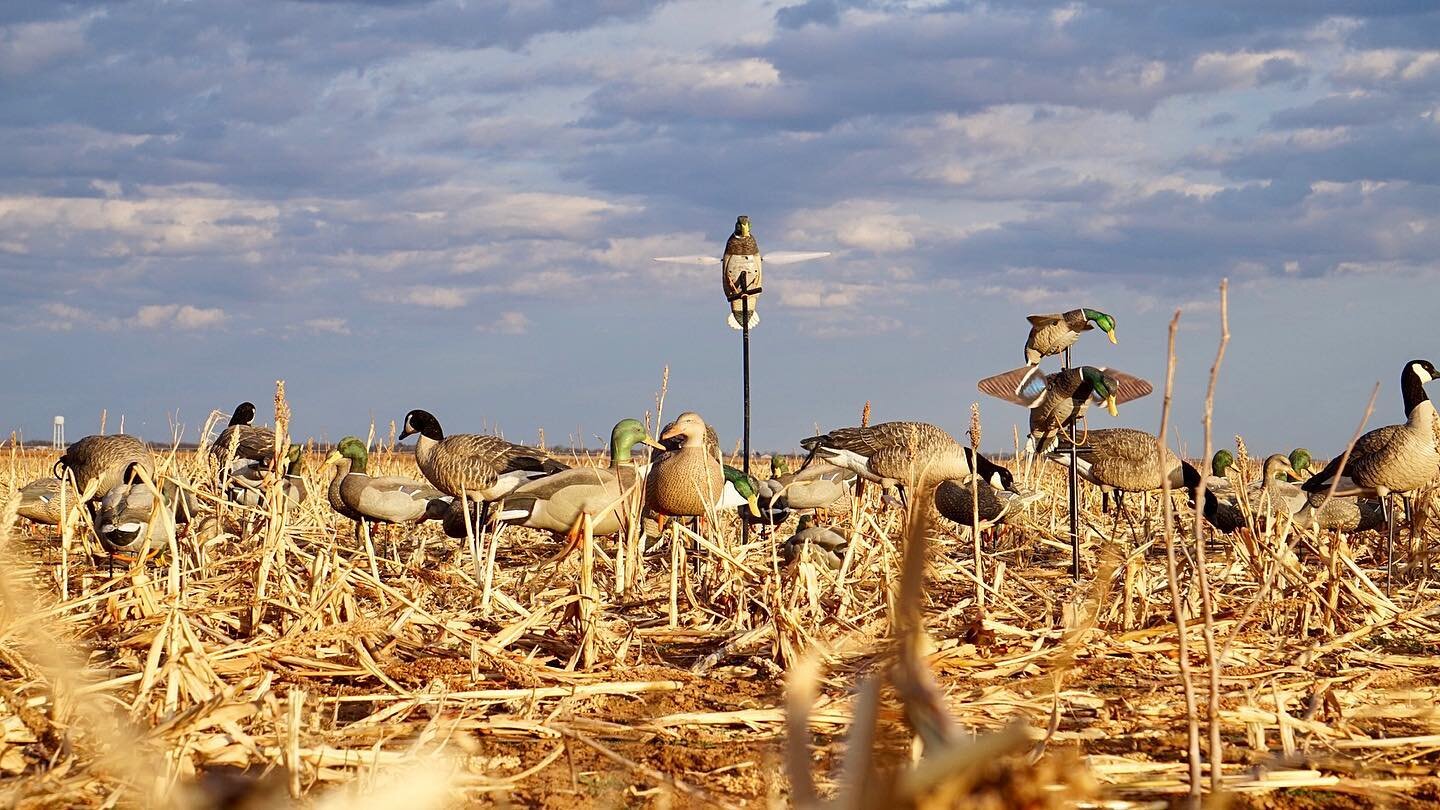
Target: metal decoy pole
[
  {"x": 745, "y": 374},
  {"x": 1074, "y": 495}
]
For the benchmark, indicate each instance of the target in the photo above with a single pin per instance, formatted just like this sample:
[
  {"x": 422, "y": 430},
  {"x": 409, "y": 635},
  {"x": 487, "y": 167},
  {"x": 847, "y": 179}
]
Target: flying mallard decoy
[
  {"x": 817, "y": 542},
  {"x": 897, "y": 454},
  {"x": 689, "y": 481},
  {"x": 1053, "y": 334},
  {"x": 1056, "y": 400},
  {"x": 254, "y": 447},
  {"x": 385, "y": 498},
  {"x": 997, "y": 501},
  {"x": 483, "y": 468},
  {"x": 1124, "y": 460},
  {"x": 558, "y": 503},
  {"x": 740, "y": 269},
  {"x": 40, "y": 501},
  {"x": 100, "y": 463}
]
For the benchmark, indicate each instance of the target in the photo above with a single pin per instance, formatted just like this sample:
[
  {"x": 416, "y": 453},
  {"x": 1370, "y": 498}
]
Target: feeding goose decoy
[
  {"x": 741, "y": 268},
  {"x": 40, "y": 501},
  {"x": 1057, "y": 400},
  {"x": 128, "y": 521},
  {"x": 897, "y": 454},
  {"x": 381, "y": 499},
  {"x": 1124, "y": 460},
  {"x": 100, "y": 463},
  {"x": 1390, "y": 460},
  {"x": 1053, "y": 334},
  {"x": 481, "y": 468},
  {"x": 559, "y": 503},
  {"x": 820, "y": 543},
  {"x": 253, "y": 447},
  {"x": 996, "y": 497}
]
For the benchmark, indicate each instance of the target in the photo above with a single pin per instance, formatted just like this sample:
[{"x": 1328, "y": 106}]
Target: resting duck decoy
[
  {"x": 1057, "y": 400},
  {"x": 254, "y": 447},
  {"x": 481, "y": 468},
  {"x": 1054, "y": 333},
  {"x": 100, "y": 463},
  {"x": 997, "y": 500},
  {"x": 1340, "y": 513},
  {"x": 1300, "y": 460},
  {"x": 559, "y": 503},
  {"x": 819, "y": 543},
  {"x": 1271, "y": 497},
  {"x": 1391, "y": 460},
  {"x": 40, "y": 501},
  {"x": 1124, "y": 460},
  {"x": 380, "y": 499},
  {"x": 688, "y": 481},
  {"x": 896, "y": 454}
]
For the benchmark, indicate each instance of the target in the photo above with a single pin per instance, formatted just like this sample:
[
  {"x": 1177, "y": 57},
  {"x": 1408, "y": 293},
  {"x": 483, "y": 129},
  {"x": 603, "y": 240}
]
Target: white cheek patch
[
  {"x": 130, "y": 527},
  {"x": 1420, "y": 372},
  {"x": 996, "y": 482}
]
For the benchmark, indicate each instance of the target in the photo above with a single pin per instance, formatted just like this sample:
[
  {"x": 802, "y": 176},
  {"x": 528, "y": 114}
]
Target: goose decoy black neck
[
  {"x": 244, "y": 414},
  {"x": 1412, "y": 383},
  {"x": 424, "y": 423}
]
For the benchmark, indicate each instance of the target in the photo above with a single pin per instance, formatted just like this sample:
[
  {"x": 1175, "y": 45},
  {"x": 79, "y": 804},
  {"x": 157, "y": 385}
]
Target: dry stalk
[{"x": 1213, "y": 662}]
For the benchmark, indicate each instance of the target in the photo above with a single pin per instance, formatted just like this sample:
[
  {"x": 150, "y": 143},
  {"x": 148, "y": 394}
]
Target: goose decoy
[
  {"x": 100, "y": 463},
  {"x": 1124, "y": 460},
  {"x": 820, "y": 487},
  {"x": 997, "y": 501},
  {"x": 1391, "y": 460},
  {"x": 688, "y": 481},
  {"x": 254, "y": 447},
  {"x": 482, "y": 468},
  {"x": 896, "y": 454},
  {"x": 819, "y": 543},
  {"x": 1053, "y": 334},
  {"x": 381, "y": 499},
  {"x": 249, "y": 485},
  {"x": 128, "y": 519},
  {"x": 1057, "y": 400},
  {"x": 40, "y": 501},
  {"x": 558, "y": 503},
  {"x": 741, "y": 268}
]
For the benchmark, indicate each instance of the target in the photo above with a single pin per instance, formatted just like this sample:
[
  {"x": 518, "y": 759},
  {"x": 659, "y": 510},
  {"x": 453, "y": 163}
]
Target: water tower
[{"x": 57, "y": 434}]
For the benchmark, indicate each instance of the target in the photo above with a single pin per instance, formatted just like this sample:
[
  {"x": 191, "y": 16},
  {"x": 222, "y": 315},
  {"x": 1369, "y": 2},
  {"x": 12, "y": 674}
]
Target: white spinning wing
[
  {"x": 701, "y": 260},
  {"x": 793, "y": 256}
]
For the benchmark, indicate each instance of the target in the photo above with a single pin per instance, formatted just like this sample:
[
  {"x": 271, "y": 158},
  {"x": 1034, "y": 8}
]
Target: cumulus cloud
[
  {"x": 507, "y": 323},
  {"x": 179, "y": 316},
  {"x": 333, "y": 326}
]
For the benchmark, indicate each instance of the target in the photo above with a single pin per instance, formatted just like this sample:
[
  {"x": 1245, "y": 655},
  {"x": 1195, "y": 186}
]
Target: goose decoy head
[
  {"x": 1222, "y": 461},
  {"x": 1002, "y": 478},
  {"x": 134, "y": 473},
  {"x": 742, "y": 226},
  {"x": 1105, "y": 387},
  {"x": 1425, "y": 370},
  {"x": 1103, "y": 322},
  {"x": 626, "y": 434},
  {"x": 244, "y": 414},
  {"x": 424, "y": 423},
  {"x": 1300, "y": 460}
]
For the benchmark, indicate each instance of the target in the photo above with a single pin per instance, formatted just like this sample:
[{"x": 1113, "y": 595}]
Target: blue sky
[{"x": 453, "y": 205}]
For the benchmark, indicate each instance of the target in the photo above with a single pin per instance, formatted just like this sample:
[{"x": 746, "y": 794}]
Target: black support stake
[
  {"x": 1074, "y": 496},
  {"x": 745, "y": 373}
]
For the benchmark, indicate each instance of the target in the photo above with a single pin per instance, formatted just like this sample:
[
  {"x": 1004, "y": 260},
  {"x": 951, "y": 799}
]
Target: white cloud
[
  {"x": 334, "y": 326},
  {"x": 509, "y": 323},
  {"x": 437, "y": 297},
  {"x": 179, "y": 316}
]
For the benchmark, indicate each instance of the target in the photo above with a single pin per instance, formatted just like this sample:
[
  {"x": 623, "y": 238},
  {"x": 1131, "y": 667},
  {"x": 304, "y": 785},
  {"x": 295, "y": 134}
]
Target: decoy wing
[
  {"x": 793, "y": 256},
  {"x": 1022, "y": 386},
  {"x": 700, "y": 260}
]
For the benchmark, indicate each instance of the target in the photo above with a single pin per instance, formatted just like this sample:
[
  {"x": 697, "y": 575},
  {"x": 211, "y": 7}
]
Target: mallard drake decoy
[
  {"x": 1056, "y": 400},
  {"x": 1395, "y": 458},
  {"x": 385, "y": 498},
  {"x": 1218, "y": 481},
  {"x": 741, "y": 492},
  {"x": 817, "y": 542},
  {"x": 897, "y": 454},
  {"x": 1053, "y": 334},
  {"x": 1300, "y": 461},
  {"x": 483, "y": 468},
  {"x": 689, "y": 481},
  {"x": 996, "y": 503},
  {"x": 1125, "y": 460},
  {"x": 254, "y": 447},
  {"x": 741, "y": 268},
  {"x": 558, "y": 503},
  {"x": 40, "y": 501},
  {"x": 100, "y": 463},
  {"x": 1270, "y": 497}
]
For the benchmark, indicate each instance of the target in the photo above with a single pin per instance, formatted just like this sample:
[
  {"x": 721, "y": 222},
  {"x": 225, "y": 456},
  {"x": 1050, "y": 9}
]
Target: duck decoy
[
  {"x": 1054, "y": 333},
  {"x": 1058, "y": 400},
  {"x": 380, "y": 499}
]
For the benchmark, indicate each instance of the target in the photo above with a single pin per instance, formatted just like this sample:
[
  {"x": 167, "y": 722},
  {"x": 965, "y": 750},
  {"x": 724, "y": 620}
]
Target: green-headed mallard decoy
[
  {"x": 997, "y": 504},
  {"x": 558, "y": 503},
  {"x": 1270, "y": 497},
  {"x": 482, "y": 468},
  {"x": 741, "y": 268},
  {"x": 897, "y": 454},
  {"x": 100, "y": 463},
  {"x": 688, "y": 481},
  {"x": 385, "y": 498},
  {"x": 1300, "y": 461},
  {"x": 1056, "y": 400},
  {"x": 1124, "y": 460},
  {"x": 820, "y": 543},
  {"x": 1053, "y": 334}
]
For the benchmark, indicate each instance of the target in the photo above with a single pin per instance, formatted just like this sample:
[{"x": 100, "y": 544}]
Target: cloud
[
  {"x": 437, "y": 297},
  {"x": 508, "y": 323},
  {"x": 179, "y": 316},
  {"x": 333, "y": 326}
]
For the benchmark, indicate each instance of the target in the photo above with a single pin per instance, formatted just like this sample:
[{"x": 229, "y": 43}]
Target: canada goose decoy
[
  {"x": 821, "y": 487},
  {"x": 820, "y": 543},
  {"x": 1053, "y": 334},
  {"x": 558, "y": 503},
  {"x": 1056, "y": 400},
  {"x": 100, "y": 463},
  {"x": 385, "y": 498},
  {"x": 1124, "y": 460},
  {"x": 481, "y": 468},
  {"x": 250, "y": 485},
  {"x": 741, "y": 267},
  {"x": 40, "y": 501},
  {"x": 897, "y": 454},
  {"x": 688, "y": 481},
  {"x": 254, "y": 446},
  {"x": 128, "y": 519},
  {"x": 1390, "y": 460},
  {"x": 997, "y": 501}
]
